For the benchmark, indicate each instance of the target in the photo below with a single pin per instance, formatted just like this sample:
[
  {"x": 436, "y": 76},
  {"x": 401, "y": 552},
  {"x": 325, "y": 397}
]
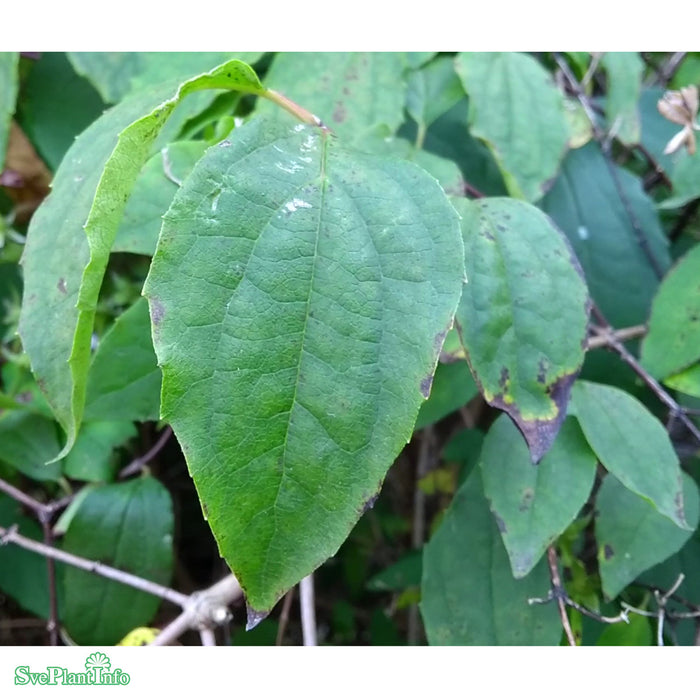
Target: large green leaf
[
  {"x": 624, "y": 70},
  {"x": 534, "y": 504},
  {"x": 349, "y": 92},
  {"x": 128, "y": 526},
  {"x": 673, "y": 341},
  {"x": 56, "y": 105},
  {"x": 124, "y": 379},
  {"x": 153, "y": 191},
  {"x": 469, "y": 595},
  {"x": 633, "y": 536},
  {"x": 64, "y": 265},
  {"x": 631, "y": 444},
  {"x": 299, "y": 298},
  {"x": 8, "y": 94},
  {"x": 523, "y": 314},
  {"x": 518, "y": 112},
  {"x": 586, "y": 205}
]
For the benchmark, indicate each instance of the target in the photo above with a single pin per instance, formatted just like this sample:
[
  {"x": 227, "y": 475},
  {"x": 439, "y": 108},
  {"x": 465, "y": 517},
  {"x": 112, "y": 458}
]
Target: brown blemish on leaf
[
  {"x": 503, "y": 379},
  {"x": 254, "y": 617},
  {"x": 61, "y": 286},
  {"x": 608, "y": 552},
  {"x": 369, "y": 503},
  {"x": 540, "y": 434},
  {"x": 157, "y": 312},
  {"x": 500, "y": 523},
  {"x": 340, "y": 112},
  {"x": 426, "y": 384},
  {"x": 542, "y": 371},
  {"x": 439, "y": 340},
  {"x": 526, "y": 500},
  {"x": 678, "y": 502}
]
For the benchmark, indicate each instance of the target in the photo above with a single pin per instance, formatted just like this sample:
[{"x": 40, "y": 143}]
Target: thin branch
[
  {"x": 11, "y": 535},
  {"x": 284, "y": 616},
  {"x": 558, "y": 588},
  {"x": 208, "y": 637},
  {"x": 308, "y": 612},
  {"x": 136, "y": 465},
  {"x": 202, "y": 610},
  {"x": 604, "y": 143},
  {"x": 686, "y": 216},
  {"x": 418, "y": 529},
  {"x": 622, "y": 334},
  {"x": 52, "y": 622},
  {"x": 670, "y": 67}
]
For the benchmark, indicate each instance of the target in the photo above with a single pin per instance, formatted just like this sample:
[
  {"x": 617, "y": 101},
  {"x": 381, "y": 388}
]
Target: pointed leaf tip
[{"x": 254, "y": 617}]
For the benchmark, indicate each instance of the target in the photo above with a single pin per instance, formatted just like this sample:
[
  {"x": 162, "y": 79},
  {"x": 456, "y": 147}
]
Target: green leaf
[
  {"x": 586, "y": 205},
  {"x": 64, "y": 266},
  {"x": 449, "y": 138},
  {"x": 534, "y": 504},
  {"x": 380, "y": 142},
  {"x": 673, "y": 341},
  {"x": 299, "y": 298},
  {"x": 130, "y": 527},
  {"x": 405, "y": 573},
  {"x": 635, "y": 633},
  {"x": 433, "y": 90},
  {"x": 687, "y": 381},
  {"x": 9, "y": 61},
  {"x": 469, "y": 595},
  {"x": 453, "y": 386},
  {"x": 56, "y": 105},
  {"x": 633, "y": 536},
  {"x": 518, "y": 112},
  {"x": 685, "y": 178},
  {"x": 91, "y": 458},
  {"x": 115, "y": 74},
  {"x": 27, "y": 442},
  {"x": 124, "y": 379},
  {"x": 349, "y": 92},
  {"x": 631, "y": 444},
  {"x": 523, "y": 314},
  {"x": 624, "y": 70},
  {"x": 23, "y": 574},
  {"x": 153, "y": 191}
]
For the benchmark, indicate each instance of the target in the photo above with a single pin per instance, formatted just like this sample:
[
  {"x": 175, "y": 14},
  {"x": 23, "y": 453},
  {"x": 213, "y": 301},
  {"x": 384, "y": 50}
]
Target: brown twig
[
  {"x": 559, "y": 594},
  {"x": 418, "y": 529},
  {"x": 622, "y": 334},
  {"x": 137, "y": 464},
  {"x": 284, "y": 616},
  {"x": 11, "y": 536},
  {"x": 667, "y": 70}
]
